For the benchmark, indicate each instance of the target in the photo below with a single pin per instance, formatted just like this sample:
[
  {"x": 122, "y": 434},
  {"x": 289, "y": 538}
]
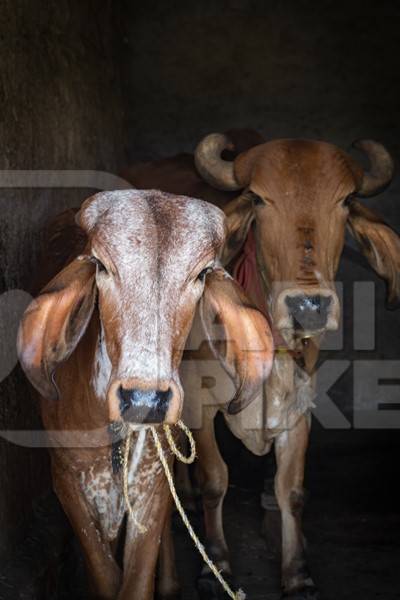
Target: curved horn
[
  {"x": 381, "y": 171},
  {"x": 213, "y": 169}
]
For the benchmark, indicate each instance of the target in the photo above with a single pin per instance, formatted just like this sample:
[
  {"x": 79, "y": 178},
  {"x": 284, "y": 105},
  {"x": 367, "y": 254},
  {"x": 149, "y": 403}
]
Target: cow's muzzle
[
  {"x": 144, "y": 406},
  {"x": 139, "y": 403},
  {"x": 303, "y": 313},
  {"x": 309, "y": 313}
]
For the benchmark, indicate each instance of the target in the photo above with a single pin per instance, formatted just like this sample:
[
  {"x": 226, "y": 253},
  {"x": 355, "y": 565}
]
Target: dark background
[{"x": 99, "y": 85}]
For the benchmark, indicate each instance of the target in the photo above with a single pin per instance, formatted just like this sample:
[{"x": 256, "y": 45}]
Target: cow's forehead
[
  {"x": 290, "y": 150},
  {"x": 152, "y": 220},
  {"x": 300, "y": 164}
]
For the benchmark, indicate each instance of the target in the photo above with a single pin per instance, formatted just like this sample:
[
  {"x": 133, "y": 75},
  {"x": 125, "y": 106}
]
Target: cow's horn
[
  {"x": 217, "y": 172},
  {"x": 381, "y": 170}
]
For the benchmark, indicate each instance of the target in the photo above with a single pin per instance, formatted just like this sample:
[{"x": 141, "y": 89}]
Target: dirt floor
[{"x": 352, "y": 521}]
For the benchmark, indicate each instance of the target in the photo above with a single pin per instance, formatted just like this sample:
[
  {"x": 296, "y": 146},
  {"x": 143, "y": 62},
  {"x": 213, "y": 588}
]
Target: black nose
[
  {"x": 144, "y": 406},
  {"x": 309, "y": 313}
]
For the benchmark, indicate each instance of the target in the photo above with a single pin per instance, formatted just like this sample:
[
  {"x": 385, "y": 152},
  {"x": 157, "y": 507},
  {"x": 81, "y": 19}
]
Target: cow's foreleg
[
  {"x": 104, "y": 573},
  {"x": 290, "y": 449},
  {"x": 213, "y": 481},
  {"x": 183, "y": 483},
  {"x": 152, "y": 506},
  {"x": 167, "y": 585},
  {"x": 141, "y": 551}
]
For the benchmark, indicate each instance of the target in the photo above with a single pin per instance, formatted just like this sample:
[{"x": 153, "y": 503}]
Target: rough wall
[
  {"x": 60, "y": 108},
  {"x": 323, "y": 70},
  {"x": 289, "y": 68}
]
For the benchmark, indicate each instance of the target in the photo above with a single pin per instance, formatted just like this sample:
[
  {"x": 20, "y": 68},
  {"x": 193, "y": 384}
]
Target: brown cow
[
  {"x": 102, "y": 344},
  {"x": 295, "y": 199}
]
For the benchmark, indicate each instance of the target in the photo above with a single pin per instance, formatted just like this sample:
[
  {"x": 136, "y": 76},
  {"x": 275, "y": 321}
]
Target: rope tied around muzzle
[{"x": 239, "y": 595}]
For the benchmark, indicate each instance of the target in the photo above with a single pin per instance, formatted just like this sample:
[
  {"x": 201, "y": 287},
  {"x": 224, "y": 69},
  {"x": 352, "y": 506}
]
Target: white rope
[{"x": 187, "y": 460}]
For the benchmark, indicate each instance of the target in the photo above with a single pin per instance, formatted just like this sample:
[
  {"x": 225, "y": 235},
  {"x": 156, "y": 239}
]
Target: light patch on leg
[{"x": 103, "y": 495}]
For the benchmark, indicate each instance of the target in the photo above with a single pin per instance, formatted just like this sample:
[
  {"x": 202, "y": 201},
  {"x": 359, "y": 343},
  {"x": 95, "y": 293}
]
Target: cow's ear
[
  {"x": 239, "y": 336},
  {"x": 54, "y": 322},
  {"x": 380, "y": 245},
  {"x": 239, "y": 216}
]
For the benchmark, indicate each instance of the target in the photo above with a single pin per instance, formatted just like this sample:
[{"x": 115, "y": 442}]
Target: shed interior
[{"x": 98, "y": 86}]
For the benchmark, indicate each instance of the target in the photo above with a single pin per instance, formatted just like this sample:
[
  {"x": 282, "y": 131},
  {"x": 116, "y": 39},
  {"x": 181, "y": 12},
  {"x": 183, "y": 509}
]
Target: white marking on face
[{"x": 319, "y": 277}]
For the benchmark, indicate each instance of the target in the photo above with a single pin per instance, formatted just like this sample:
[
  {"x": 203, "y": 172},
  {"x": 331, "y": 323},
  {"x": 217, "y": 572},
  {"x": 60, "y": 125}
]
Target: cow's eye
[
  {"x": 100, "y": 267},
  {"x": 348, "y": 200},
  {"x": 257, "y": 200},
  {"x": 202, "y": 275}
]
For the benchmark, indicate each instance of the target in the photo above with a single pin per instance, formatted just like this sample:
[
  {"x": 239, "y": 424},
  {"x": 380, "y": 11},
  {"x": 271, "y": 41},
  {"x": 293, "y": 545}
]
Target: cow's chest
[
  {"x": 102, "y": 492},
  {"x": 103, "y": 489},
  {"x": 288, "y": 394}
]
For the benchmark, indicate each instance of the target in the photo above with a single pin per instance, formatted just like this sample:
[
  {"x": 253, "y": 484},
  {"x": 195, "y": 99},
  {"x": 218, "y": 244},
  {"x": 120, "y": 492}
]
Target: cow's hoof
[
  {"x": 307, "y": 593},
  {"x": 209, "y": 588},
  {"x": 171, "y": 590},
  {"x": 173, "y": 596}
]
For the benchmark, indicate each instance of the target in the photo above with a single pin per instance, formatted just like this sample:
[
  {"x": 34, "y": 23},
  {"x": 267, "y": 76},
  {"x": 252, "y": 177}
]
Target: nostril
[
  {"x": 325, "y": 302},
  {"x": 124, "y": 398},
  {"x": 290, "y": 302}
]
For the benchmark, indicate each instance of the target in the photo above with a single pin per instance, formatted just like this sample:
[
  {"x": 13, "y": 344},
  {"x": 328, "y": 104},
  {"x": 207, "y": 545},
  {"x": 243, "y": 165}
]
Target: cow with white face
[{"x": 102, "y": 343}]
